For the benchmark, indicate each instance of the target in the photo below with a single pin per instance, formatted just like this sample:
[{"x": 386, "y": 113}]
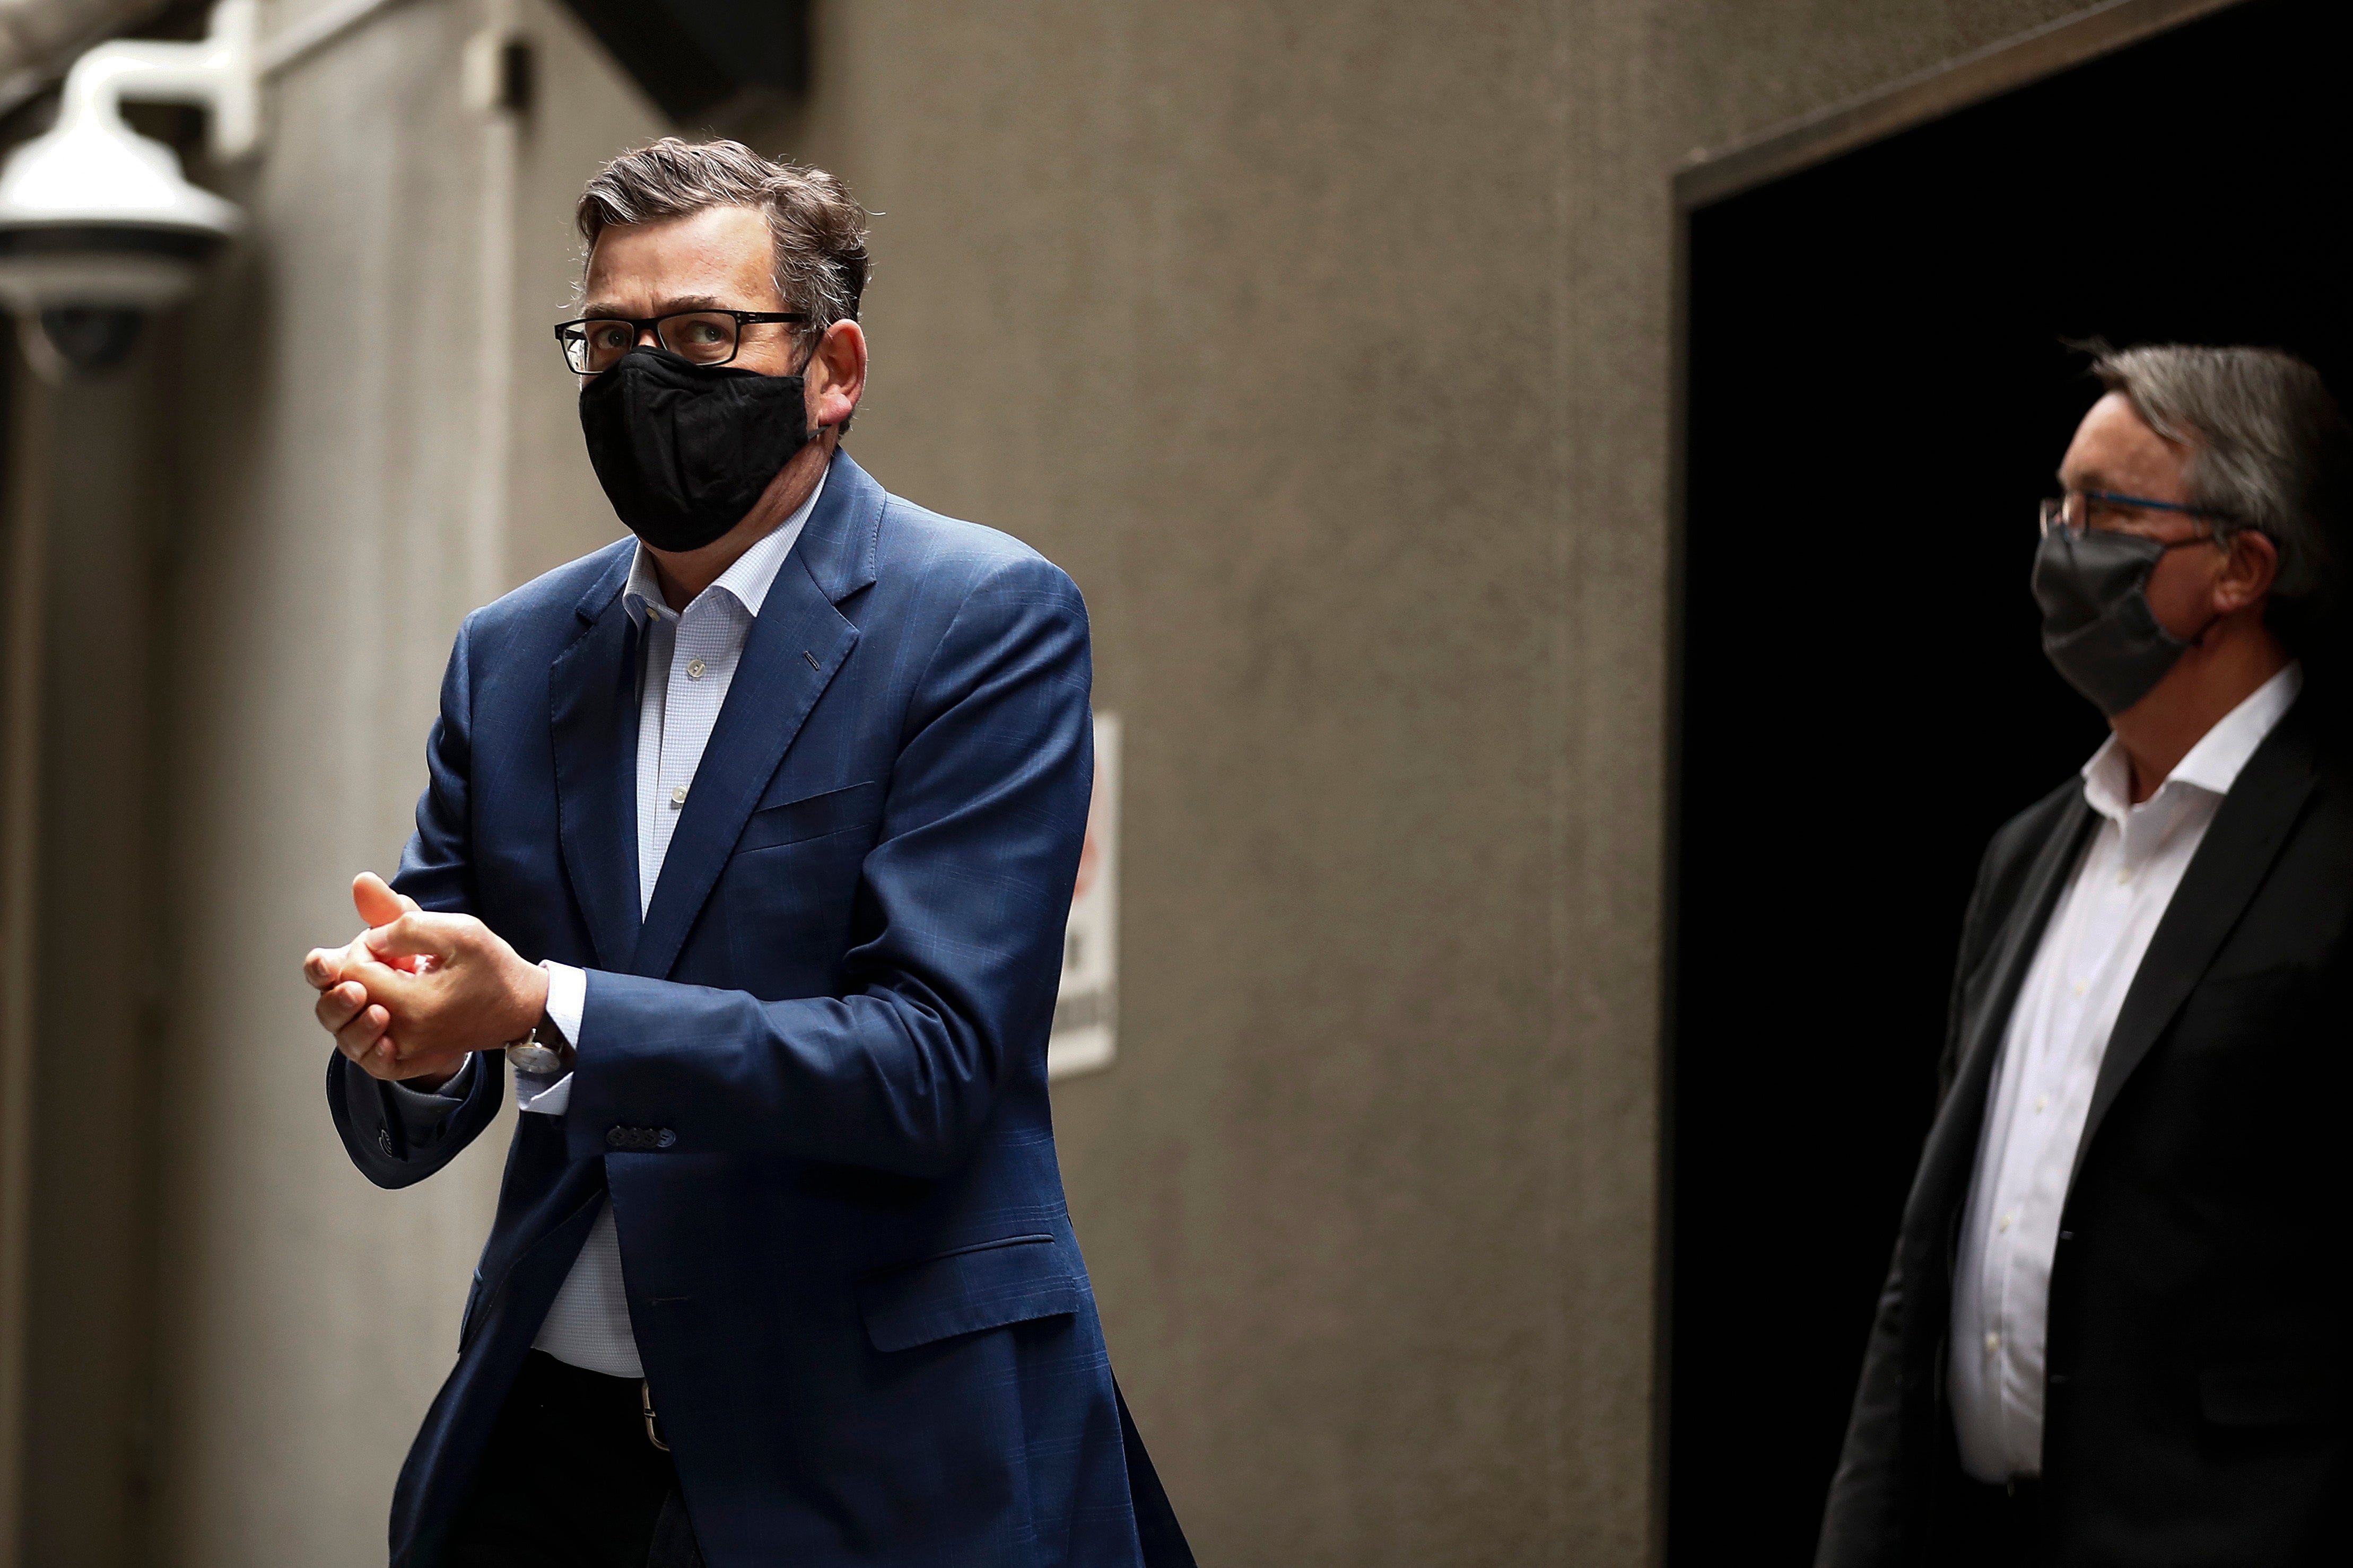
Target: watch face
[{"x": 533, "y": 1059}]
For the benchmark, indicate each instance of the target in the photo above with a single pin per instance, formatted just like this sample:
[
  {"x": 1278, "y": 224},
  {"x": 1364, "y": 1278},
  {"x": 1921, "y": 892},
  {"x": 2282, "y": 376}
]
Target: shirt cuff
[
  {"x": 543, "y": 1094},
  {"x": 567, "y": 998}
]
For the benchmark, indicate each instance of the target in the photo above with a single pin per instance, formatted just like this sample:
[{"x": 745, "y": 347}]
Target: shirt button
[
  {"x": 678, "y": 796},
  {"x": 694, "y": 668},
  {"x": 2040, "y": 1102},
  {"x": 2081, "y": 987},
  {"x": 1993, "y": 1343},
  {"x": 2123, "y": 875},
  {"x": 2004, "y": 1223}
]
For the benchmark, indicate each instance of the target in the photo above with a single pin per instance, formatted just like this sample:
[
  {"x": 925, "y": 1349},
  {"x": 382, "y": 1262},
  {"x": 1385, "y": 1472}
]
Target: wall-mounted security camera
[{"x": 99, "y": 226}]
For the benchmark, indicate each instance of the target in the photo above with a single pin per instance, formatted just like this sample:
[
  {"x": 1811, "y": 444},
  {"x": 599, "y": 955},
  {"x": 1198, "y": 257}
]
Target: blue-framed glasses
[{"x": 2079, "y": 512}]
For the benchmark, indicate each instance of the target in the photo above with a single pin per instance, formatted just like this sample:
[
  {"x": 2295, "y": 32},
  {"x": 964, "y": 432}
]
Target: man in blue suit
[{"x": 750, "y": 841}]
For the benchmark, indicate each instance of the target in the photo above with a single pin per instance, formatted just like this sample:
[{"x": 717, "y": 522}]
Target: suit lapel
[
  {"x": 1952, "y": 1141},
  {"x": 797, "y": 643},
  {"x": 2253, "y": 821},
  {"x": 593, "y": 709}
]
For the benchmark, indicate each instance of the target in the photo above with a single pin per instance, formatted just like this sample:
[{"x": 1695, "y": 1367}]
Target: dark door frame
[{"x": 1710, "y": 176}]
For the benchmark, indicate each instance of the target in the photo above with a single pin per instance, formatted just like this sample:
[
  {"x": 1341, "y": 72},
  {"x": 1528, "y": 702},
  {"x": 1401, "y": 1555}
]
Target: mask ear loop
[
  {"x": 819, "y": 427},
  {"x": 2223, "y": 542}
]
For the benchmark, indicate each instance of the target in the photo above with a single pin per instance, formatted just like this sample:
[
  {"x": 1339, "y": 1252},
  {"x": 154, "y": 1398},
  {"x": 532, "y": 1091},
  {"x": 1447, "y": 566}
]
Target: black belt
[
  {"x": 595, "y": 1397},
  {"x": 2000, "y": 1523}
]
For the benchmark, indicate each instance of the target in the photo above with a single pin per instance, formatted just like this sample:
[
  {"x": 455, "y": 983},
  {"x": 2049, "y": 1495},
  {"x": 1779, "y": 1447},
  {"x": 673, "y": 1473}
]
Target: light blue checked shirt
[{"x": 691, "y": 658}]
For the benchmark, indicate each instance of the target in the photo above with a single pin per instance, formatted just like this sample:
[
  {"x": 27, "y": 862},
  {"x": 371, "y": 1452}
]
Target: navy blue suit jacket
[{"x": 812, "y": 1081}]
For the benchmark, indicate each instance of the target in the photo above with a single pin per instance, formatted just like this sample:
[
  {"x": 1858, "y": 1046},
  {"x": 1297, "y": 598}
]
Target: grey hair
[
  {"x": 2266, "y": 450},
  {"x": 818, "y": 232}
]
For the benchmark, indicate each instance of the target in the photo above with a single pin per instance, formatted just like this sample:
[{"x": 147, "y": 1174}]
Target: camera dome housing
[
  {"x": 95, "y": 214},
  {"x": 98, "y": 226}
]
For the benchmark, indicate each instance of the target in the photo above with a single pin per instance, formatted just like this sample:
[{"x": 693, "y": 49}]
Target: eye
[{"x": 610, "y": 335}]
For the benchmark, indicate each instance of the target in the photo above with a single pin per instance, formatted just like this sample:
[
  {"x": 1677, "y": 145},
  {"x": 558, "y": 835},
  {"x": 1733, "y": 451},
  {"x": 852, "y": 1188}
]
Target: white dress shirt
[
  {"x": 2050, "y": 1053},
  {"x": 689, "y": 662}
]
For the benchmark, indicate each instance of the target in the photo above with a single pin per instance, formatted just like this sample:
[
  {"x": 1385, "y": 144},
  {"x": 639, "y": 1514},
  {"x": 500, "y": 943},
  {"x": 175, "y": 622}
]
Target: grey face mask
[{"x": 2097, "y": 626}]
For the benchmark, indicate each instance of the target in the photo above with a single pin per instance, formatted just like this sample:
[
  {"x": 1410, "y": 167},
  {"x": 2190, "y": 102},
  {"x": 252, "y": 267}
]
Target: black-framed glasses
[
  {"x": 2077, "y": 513},
  {"x": 705, "y": 337}
]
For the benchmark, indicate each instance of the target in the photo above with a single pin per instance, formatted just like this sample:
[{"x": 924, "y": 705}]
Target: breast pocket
[
  {"x": 791, "y": 890},
  {"x": 2267, "y": 1009},
  {"x": 849, "y": 810}
]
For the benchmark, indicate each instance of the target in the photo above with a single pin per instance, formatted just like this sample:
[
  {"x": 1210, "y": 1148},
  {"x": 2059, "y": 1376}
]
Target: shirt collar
[
  {"x": 747, "y": 581},
  {"x": 2213, "y": 764}
]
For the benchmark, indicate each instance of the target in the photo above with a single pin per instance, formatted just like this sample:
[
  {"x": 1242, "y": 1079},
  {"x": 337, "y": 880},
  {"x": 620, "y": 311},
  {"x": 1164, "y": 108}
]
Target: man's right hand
[{"x": 361, "y": 1028}]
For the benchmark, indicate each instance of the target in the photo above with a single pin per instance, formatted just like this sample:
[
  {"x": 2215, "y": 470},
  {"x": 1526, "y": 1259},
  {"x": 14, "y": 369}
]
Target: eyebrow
[{"x": 603, "y": 312}]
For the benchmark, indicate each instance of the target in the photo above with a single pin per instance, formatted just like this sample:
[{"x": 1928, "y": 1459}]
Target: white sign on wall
[{"x": 1085, "y": 1014}]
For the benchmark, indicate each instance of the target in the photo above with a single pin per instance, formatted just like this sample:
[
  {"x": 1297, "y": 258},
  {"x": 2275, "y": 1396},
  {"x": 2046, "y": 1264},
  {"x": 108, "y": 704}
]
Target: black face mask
[
  {"x": 2097, "y": 626},
  {"x": 684, "y": 450}
]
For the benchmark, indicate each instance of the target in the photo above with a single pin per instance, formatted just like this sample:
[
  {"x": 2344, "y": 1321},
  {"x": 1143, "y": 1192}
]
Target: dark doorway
[{"x": 1878, "y": 396}]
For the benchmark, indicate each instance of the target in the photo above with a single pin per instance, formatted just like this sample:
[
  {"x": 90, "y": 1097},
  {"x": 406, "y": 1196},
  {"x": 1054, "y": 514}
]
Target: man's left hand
[{"x": 476, "y": 994}]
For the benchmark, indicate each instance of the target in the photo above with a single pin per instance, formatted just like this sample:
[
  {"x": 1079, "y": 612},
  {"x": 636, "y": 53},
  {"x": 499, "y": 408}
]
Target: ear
[
  {"x": 837, "y": 374},
  {"x": 2248, "y": 572}
]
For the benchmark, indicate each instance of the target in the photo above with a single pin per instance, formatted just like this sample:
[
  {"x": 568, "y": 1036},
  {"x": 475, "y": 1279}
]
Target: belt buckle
[{"x": 653, "y": 1428}]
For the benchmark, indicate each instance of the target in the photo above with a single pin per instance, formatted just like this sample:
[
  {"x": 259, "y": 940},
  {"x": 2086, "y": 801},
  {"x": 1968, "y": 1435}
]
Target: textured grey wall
[
  {"x": 1328, "y": 346},
  {"x": 86, "y": 1452}
]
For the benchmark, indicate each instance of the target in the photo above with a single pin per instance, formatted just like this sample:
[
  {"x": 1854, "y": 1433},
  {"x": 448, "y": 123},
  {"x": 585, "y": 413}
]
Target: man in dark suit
[
  {"x": 751, "y": 841},
  {"x": 2115, "y": 1330}
]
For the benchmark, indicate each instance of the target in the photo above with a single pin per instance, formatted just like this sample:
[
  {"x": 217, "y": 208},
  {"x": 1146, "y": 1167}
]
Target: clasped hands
[{"x": 410, "y": 995}]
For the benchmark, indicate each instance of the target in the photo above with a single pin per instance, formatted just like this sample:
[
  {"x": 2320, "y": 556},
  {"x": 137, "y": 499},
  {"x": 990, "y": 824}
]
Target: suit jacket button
[
  {"x": 616, "y": 1136},
  {"x": 384, "y": 1141},
  {"x": 665, "y": 1139}
]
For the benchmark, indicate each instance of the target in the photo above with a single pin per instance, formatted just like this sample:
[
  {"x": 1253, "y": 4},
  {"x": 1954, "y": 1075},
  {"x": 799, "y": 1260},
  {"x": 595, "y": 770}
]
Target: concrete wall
[
  {"x": 90, "y": 1456},
  {"x": 1328, "y": 346}
]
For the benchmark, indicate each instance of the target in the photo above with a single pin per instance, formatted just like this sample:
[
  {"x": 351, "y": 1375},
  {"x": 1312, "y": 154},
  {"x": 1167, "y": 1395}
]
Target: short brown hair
[{"x": 819, "y": 232}]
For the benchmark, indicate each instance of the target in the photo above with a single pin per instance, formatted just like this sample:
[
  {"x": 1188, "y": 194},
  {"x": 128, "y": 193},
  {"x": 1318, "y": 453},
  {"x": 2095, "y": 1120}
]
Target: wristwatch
[{"x": 542, "y": 1052}]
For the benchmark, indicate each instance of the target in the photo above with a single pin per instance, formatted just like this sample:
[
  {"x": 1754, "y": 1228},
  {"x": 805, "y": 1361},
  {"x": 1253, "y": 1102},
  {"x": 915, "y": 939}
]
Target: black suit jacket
[{"x": 2197, "y": 1394}]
